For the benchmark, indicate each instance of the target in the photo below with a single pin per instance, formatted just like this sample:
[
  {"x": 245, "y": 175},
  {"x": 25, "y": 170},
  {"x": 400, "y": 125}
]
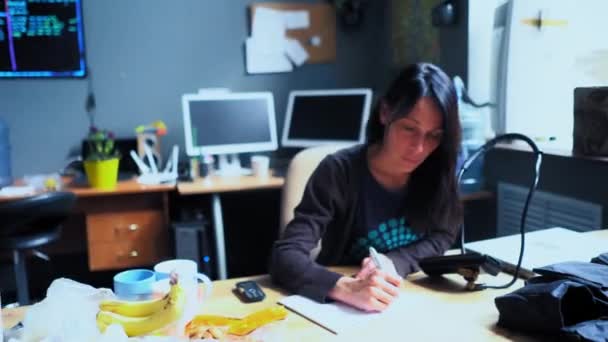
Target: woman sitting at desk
[{"x": 396, "y": 193}]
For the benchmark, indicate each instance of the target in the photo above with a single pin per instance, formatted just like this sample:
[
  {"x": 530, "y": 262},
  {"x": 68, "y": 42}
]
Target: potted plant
[{"x": 101, "y": 164}]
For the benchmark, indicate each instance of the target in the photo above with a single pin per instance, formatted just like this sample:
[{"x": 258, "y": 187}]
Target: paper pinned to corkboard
[{"x": 319, "y": 38}]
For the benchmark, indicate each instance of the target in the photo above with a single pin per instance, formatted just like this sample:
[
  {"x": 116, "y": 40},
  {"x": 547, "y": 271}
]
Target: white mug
[
  {"x": 188, "y": 276},
  {"x": 260, "y": 166}
]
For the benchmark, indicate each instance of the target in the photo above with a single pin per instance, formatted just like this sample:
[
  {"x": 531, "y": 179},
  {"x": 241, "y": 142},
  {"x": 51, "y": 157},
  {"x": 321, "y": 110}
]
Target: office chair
[
  {"x": 29, "y": 223},
  {"x": 299, "y": 171}
]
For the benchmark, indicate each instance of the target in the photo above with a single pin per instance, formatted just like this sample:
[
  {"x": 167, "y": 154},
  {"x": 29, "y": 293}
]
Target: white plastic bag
[{"x": 67, "y": 314}]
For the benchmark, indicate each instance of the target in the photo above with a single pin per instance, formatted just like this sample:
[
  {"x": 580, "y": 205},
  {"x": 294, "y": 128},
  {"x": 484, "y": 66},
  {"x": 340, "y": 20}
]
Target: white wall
[
  {"x": 532, "y": 80},
  {"x": 545, "y": 65},
  {"x": 481, "y": 81}
]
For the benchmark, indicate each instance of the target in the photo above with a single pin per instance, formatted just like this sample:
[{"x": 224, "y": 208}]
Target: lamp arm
[
  {"x": 481, "y": 151},
  {"x": 485, "y": 148},
  {"x": 524, "y": 216}
]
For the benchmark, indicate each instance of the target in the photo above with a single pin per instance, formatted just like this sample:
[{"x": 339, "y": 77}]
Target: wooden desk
[
  {"x": 440, "y": 310},
  {"x": 125, "y": 227},
  {"x": 216, "y": 185}
]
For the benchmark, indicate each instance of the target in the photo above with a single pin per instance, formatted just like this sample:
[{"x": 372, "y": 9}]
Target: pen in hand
[
  {"x": 375, "y": 258},
  {"x": 393, "y": 278}
]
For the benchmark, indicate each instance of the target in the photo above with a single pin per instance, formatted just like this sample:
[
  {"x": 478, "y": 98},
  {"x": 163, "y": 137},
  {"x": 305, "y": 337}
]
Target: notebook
[
  {"x": 542, "y": 248},
  {"x": 340, "y": 318}
]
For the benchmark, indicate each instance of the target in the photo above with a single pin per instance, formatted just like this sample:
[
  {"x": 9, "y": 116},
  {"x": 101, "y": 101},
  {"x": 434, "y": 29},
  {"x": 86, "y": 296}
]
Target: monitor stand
[{"x": 230, "y": 166}]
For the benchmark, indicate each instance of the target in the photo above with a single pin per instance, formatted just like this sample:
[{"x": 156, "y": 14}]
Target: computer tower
[{"x": 193, "y": 241}]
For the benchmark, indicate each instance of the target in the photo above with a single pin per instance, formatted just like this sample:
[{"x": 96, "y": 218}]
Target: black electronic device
[
  {"x": 249, "y": 291},
  {"x": 590, "y": 121},
  {"x": 41, "y": 39},
  {"x": 326, "y": 117},
  {"x": 469, "y": 264},
  {"x": 444, "y": 14},
  {"x": 193, "y": 242}
]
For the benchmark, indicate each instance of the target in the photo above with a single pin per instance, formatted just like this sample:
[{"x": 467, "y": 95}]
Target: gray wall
[{"x": 144, "y": 54}]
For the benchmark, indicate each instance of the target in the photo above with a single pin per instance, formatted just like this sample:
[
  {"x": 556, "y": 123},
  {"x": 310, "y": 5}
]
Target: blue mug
[{"x": 134, "y": 284}]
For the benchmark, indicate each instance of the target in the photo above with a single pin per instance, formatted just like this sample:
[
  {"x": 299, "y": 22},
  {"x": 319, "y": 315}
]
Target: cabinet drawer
[
  {"x": 131, "y": 225},
  {"x": 126, "y": 253}
]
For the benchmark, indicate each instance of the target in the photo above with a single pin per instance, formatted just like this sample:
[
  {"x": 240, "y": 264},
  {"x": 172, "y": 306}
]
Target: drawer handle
[
  {"x": 133, "y": 227},
  {"x": 133, "y": 254}
]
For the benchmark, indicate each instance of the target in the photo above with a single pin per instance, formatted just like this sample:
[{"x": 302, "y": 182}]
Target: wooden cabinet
[
  {"x": 125, "y": 253},
  {"x": 130, "y": 225},
  {"x": 121, "y": 228},
  {"x": 126, "y": 229}
]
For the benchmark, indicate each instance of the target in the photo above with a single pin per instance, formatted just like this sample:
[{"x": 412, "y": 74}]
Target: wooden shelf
[
  {"x": 122, "y": 188},
  {"x": 552, "y": 151},
  {"x": 477, "y": 195},
  {"x": 216, "y": 184}
]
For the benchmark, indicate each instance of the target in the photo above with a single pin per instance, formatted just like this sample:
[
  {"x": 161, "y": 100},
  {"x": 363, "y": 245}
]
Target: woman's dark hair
[{"x": 432, "y": 190}]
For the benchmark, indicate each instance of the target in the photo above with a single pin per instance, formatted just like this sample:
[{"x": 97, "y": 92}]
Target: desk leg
[{"x": 218, "y": 226}]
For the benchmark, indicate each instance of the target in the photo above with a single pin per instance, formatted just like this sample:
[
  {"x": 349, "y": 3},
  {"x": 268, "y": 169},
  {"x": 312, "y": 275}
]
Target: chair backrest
[
  {"x": 37, "y": 212},
  {"x": 299, "y": 170}
]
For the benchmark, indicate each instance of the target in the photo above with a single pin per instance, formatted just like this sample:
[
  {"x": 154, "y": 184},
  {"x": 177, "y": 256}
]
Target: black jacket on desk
[
  {"x": 327, "y": 212},
  {"x": 568, "y": 300}
]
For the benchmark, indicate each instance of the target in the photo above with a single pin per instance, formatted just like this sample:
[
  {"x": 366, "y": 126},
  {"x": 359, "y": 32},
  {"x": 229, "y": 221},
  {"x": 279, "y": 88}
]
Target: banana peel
[
  {"x": 203, "y": 324},
  {"x": 213, "y": 320},
  {"x": 257, "y": 319}
]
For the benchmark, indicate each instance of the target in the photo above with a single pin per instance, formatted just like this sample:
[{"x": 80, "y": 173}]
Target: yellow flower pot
[{"x": 102, "y": 174}]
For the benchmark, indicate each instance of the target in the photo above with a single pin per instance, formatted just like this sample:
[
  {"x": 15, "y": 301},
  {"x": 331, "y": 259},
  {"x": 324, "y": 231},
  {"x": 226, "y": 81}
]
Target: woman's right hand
[{"x": 375, "y": 292}]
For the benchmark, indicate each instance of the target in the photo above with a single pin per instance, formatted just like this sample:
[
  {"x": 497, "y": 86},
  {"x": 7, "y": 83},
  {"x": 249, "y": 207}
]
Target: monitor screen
[
  {"x": 41, "y": 38},
  {"x": 320, "y": 117},
  {"x": 223, "y": 123}
]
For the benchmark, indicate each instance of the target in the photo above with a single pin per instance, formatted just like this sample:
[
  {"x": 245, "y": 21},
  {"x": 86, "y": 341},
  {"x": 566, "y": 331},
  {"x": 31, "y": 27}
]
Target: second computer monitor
[
  {"x": 226, "y": 123},
  {"x": 323, "y": 117}
]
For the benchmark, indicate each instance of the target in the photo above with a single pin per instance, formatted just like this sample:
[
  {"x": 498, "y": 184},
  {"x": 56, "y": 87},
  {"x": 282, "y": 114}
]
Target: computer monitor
[
  {"x": 323, "y": 117},
  {"x": 223, "y": 123}
]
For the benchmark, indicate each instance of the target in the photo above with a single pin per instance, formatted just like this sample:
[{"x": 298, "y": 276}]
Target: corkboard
[{"x": 322, "y": 24}]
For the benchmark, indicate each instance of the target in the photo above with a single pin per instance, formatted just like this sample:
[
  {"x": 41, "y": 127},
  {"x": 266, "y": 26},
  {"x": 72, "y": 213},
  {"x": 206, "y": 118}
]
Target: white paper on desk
[
  {"x": 262, "y": 58},
  {"x": 295, "y": 20},
  {"x": 338, "y": 317},
  {"x": 268, "y": 26},
  {"x": 295, "y": 51},
  {"x": 17, "y": 190}
]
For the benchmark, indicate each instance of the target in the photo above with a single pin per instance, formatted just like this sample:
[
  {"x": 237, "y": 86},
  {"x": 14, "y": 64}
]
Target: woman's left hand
[{"x": 368, "y": 266}]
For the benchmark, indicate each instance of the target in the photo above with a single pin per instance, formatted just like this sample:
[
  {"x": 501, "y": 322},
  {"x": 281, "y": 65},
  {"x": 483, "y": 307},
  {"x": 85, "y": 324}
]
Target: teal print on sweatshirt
[{"x": 389, "y": 235}]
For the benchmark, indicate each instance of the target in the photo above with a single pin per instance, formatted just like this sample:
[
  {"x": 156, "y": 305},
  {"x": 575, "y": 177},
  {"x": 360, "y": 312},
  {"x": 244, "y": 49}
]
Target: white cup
[
  {"x": 260, "y": 166},
  {"x": 188, "y": 277}
]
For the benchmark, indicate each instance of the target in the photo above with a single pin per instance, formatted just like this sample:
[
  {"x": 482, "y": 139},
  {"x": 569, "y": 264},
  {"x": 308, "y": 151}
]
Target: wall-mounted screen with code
[{"x": 41, "y": 38}]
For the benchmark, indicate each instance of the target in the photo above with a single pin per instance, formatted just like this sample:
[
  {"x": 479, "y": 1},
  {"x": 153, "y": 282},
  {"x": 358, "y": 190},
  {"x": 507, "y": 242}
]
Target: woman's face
[{"x": 408, "y": 141}]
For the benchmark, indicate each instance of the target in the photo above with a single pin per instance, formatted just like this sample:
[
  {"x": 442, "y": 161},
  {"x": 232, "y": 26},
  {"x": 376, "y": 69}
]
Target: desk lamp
[{"x": 469, "y": 264}]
